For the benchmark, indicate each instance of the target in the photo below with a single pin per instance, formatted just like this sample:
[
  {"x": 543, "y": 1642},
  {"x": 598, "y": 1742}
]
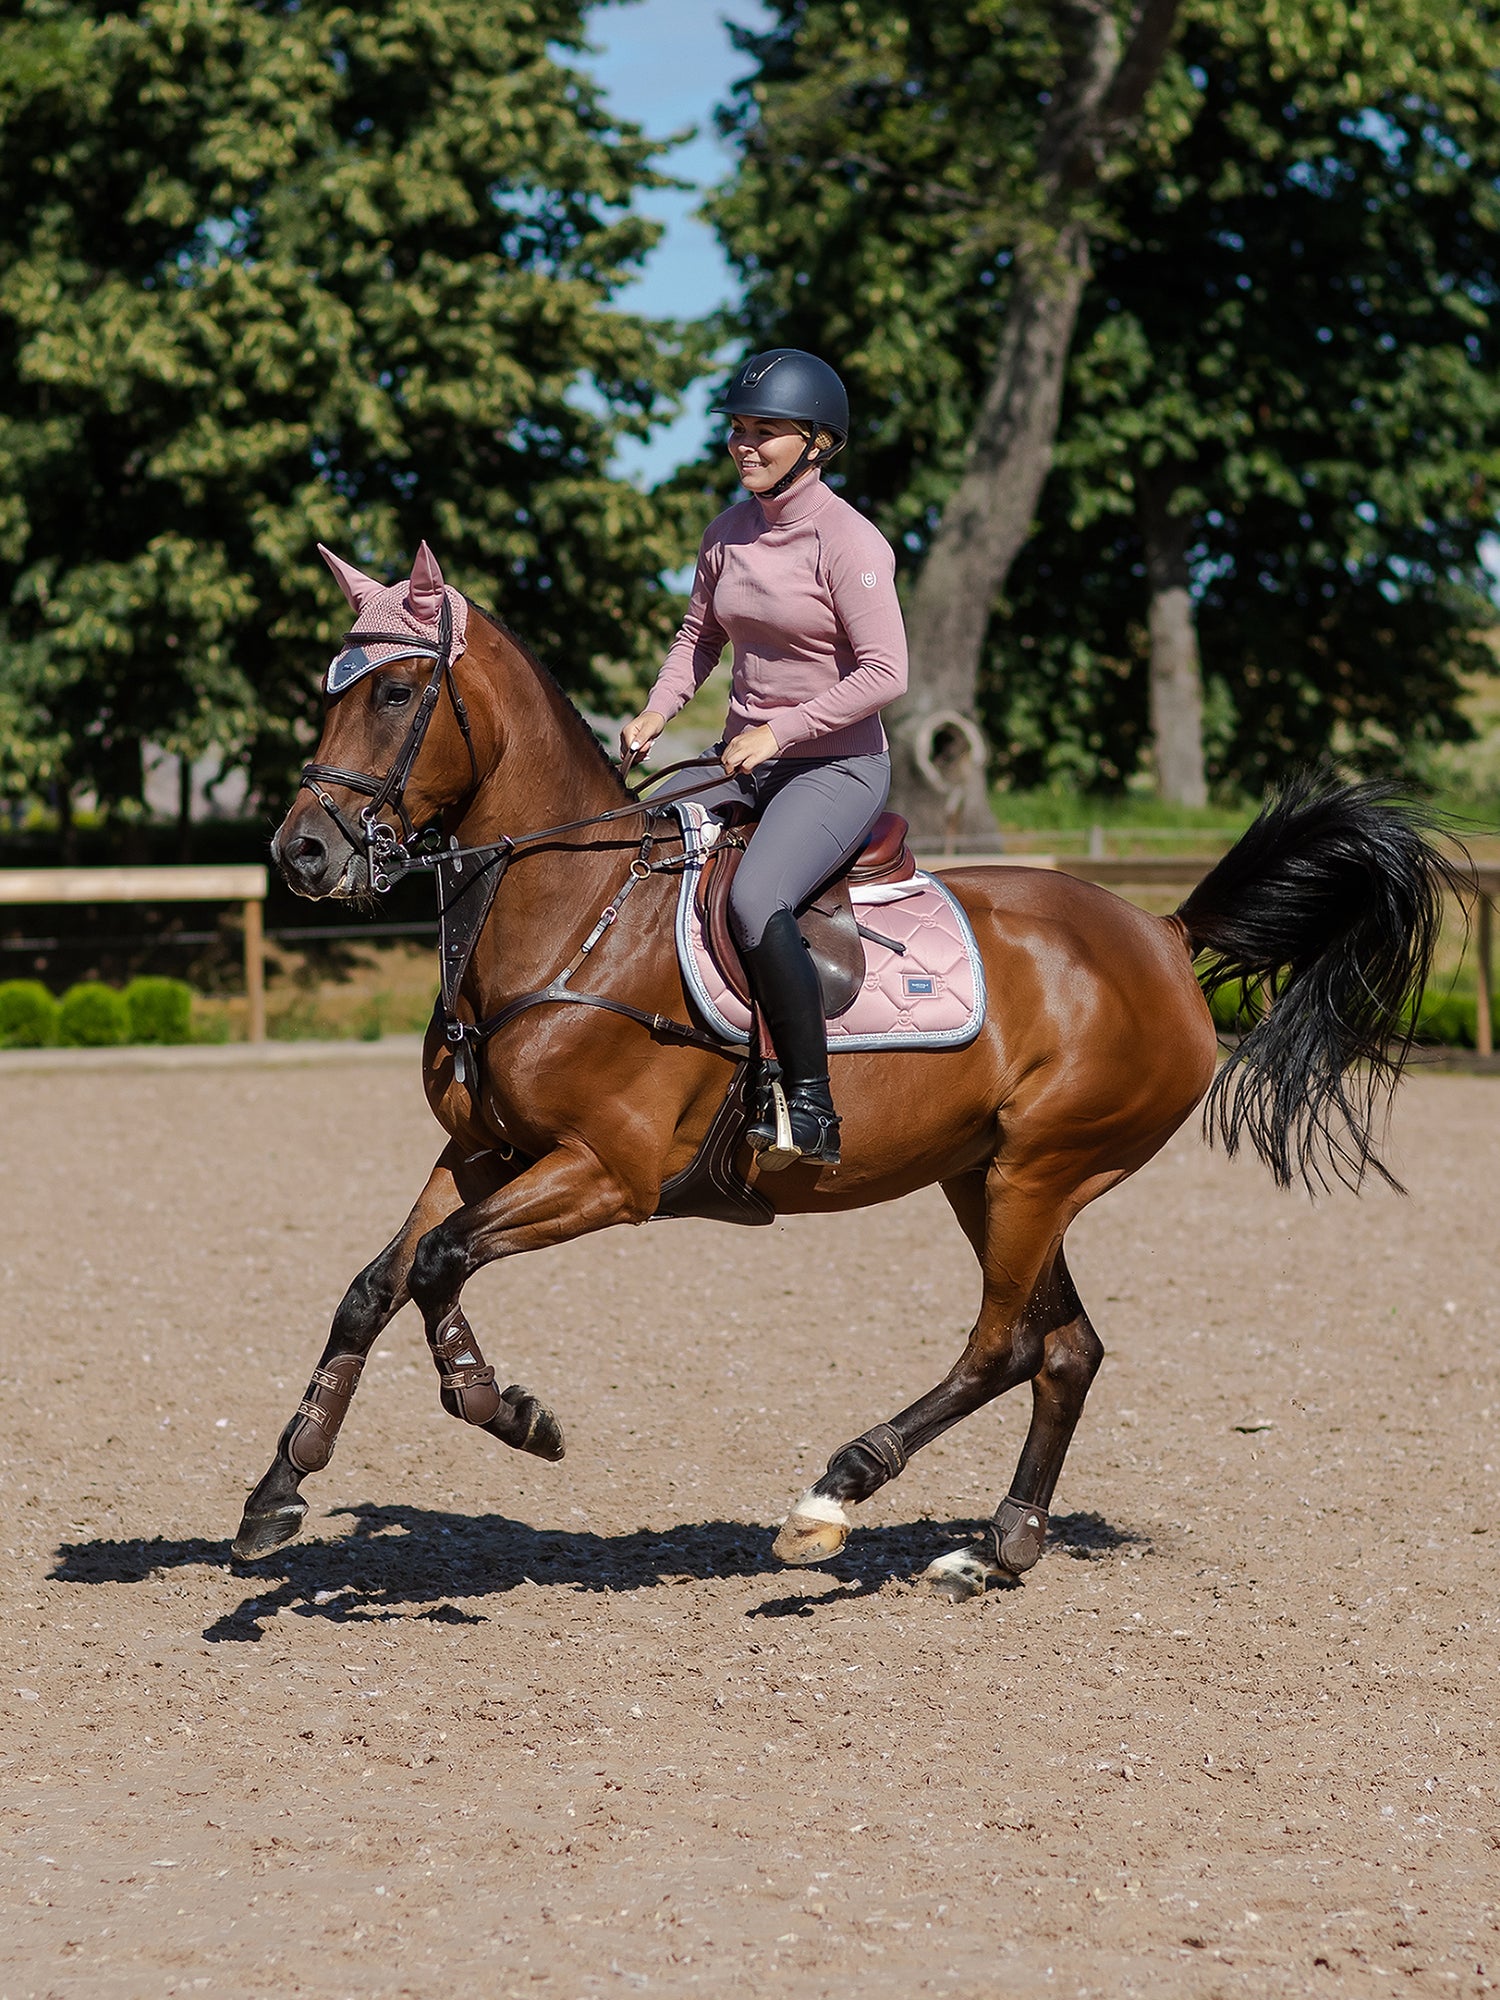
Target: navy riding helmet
[{"x": 789, "y": 383}]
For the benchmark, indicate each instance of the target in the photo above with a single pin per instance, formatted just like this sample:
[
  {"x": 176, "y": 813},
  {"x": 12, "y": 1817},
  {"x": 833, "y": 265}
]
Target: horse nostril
[{"x": 306, "y": 853}]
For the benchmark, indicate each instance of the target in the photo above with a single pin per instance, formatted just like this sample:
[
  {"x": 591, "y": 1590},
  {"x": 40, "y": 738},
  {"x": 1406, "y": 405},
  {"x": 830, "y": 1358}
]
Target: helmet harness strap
[{"x": 804, "y": 459}]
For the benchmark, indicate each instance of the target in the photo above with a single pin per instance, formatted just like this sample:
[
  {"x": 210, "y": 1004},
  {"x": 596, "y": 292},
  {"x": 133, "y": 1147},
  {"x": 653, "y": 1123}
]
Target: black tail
[{"x": 1329, "y": 910}]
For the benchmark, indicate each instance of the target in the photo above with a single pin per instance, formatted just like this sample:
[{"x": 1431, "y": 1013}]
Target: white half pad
[{"x": 884, "y": 892}]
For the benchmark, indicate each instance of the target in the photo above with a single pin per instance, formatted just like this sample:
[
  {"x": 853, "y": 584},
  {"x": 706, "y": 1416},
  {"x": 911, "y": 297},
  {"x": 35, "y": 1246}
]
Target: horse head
[{"x": 396, "y": 747}]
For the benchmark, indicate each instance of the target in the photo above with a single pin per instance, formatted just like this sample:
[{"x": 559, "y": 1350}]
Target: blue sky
[{"x": 665, "y": 64}]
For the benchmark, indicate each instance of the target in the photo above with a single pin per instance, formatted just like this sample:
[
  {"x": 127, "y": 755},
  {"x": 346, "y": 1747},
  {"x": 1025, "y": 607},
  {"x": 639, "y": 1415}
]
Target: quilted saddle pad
[{"x": 928, "y": 995}]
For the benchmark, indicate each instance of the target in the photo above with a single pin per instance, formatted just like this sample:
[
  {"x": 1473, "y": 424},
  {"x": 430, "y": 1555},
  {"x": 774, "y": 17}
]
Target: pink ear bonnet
[{"x": 389, "y": 615}]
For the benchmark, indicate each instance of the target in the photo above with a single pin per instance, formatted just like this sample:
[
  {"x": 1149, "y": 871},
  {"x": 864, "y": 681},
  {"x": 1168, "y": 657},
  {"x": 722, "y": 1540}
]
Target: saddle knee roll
[
  {"x": 466, "y": 1381},
  {"x": 314, "y": 1430}
]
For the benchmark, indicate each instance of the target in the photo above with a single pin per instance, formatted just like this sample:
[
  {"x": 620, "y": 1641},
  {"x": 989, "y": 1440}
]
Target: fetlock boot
[{"x": 785, "y": 983}]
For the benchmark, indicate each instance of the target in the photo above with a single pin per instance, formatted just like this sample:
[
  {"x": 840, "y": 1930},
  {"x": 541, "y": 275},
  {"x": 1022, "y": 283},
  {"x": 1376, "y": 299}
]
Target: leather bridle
[
  {"x": 471, "y": 876},
  {"x": 388, "y": 856}
]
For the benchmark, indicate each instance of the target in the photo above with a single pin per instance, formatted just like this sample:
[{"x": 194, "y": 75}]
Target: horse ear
[
  {"x": 356, "y": 586},
  {"x": 424, "y": 594}
]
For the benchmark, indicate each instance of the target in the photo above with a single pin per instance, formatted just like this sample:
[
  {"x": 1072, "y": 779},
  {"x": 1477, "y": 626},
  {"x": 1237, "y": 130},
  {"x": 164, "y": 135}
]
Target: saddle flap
[{"x": 827, "y": 925}]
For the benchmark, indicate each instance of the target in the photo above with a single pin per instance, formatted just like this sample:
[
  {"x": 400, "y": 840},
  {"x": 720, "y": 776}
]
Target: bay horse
[{"x": 563, "y": 1119}]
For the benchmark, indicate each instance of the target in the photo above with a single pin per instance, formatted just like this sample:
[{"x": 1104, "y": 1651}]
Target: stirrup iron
[{"x": 783, "y": 1149}]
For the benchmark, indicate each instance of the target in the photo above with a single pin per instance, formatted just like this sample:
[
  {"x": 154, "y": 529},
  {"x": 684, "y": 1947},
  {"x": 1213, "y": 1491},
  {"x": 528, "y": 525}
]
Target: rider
[{"x": 803, "y": 587}]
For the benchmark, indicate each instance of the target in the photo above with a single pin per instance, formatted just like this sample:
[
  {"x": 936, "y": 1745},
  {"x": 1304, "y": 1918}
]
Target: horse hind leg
[
  {"x": 1013, "y": 1540},
  {"x": 1015, "y": 1221}
]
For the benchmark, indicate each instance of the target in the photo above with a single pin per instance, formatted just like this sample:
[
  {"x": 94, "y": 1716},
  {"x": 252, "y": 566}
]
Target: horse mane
[{"x": 573, "y": 717}]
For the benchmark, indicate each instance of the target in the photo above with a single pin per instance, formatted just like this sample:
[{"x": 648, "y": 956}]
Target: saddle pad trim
[{"x": 691, "y": 817}]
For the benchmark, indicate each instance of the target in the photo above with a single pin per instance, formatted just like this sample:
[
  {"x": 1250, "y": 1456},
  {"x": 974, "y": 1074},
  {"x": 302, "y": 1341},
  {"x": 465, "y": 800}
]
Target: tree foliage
[
  {"x": 1291, "y": 324},
  {"x": 886, "y": 163},
  {"x": 279, "y": 271}
]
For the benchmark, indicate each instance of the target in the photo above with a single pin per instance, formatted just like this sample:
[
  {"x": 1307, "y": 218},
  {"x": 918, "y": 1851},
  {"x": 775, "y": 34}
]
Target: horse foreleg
[
  {"x": 562, "y": 1196},
  {"x": 1012, "y": 1542},
  {"x": 274, "y": 1512},
  {"x": 1016, "y": 1231}
]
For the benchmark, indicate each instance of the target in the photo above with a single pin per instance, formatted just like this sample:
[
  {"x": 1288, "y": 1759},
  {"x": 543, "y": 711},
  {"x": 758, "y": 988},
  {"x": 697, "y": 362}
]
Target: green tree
[
  {"x": 946, "y": 157},
  {"x": 1283, "y": 420},
  {"x": 279, "y": 271},
  {"x": 1283, "y": 364}
]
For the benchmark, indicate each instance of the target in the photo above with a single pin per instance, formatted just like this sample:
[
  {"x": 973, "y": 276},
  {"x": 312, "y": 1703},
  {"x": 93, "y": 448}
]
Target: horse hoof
[
  {"x": 960, "y": 1575},
  {"x": 528, "y": 1425},
  {"x": 815, "y": 1529},
  {"x": 263, "y": 1534}
]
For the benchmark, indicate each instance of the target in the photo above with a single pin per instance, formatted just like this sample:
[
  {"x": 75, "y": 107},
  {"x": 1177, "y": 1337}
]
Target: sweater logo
[{"x": 869, "y": 579}]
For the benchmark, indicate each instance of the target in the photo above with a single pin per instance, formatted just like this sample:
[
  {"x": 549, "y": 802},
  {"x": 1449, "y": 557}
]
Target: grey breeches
[{"x": 815, "y": 813}]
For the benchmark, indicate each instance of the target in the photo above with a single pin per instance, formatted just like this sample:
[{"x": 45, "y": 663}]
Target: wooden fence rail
[
  {"x": 1182, "y": 871},
  {"x": 247, "y": 885},
  {"x": 242, "y": 884}
]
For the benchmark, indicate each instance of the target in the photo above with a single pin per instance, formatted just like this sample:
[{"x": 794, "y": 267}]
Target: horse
[{"x": 561, "y": 1119}]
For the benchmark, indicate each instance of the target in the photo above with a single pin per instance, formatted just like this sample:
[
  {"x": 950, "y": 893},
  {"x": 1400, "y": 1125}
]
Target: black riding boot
[{"x": 785, "y": 983}]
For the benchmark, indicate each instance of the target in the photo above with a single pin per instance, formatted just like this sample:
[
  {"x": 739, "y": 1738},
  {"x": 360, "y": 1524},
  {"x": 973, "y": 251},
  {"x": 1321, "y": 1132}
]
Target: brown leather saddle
[{"x": 827, "y": 922}]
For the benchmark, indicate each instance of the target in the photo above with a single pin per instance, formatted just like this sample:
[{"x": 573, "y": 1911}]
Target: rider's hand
[
  {"x": 750, "y": 749},
  {"x": 641, "y": 732}
]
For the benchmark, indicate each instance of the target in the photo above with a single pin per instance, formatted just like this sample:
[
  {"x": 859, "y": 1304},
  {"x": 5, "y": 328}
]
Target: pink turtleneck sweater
[{"x": 804, "y": 589}]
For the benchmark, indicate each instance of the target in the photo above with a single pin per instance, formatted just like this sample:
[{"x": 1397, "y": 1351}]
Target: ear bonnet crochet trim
[{"x": 385, "y": 611}]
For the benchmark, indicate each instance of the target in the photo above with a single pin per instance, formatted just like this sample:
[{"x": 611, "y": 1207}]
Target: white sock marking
[
  {"x": 961, "y": 1562},
  {"x": 818, "y": 1507}
]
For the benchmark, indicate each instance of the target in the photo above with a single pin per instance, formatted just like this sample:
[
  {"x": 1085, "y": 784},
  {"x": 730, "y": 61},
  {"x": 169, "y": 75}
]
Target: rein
[
  {"x": 388, "y": 858},
  {"x": 473, "y": 875}
]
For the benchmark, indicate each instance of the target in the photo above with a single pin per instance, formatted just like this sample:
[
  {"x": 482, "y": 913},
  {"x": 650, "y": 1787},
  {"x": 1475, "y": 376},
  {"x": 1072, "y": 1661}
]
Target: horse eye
[{"x": 397, "y": 695}]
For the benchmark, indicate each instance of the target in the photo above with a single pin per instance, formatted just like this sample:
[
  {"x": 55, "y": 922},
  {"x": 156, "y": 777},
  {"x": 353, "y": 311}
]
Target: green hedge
[
  {"x": 159, "y": 1010},
  {"x": 1449, "y": 1020},
  {"x": 92, "y": 1016},
  {"x": 1445, "y": 1020},
  {"x": 28, "y": 1015}
]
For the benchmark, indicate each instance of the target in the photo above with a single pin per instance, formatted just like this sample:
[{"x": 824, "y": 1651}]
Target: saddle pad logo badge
[{"x": 916, "y": 987}]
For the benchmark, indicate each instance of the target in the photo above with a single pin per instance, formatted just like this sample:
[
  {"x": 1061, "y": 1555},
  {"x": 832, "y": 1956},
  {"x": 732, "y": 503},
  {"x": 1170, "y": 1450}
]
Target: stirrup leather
[{"x": 761, "y": 1129}]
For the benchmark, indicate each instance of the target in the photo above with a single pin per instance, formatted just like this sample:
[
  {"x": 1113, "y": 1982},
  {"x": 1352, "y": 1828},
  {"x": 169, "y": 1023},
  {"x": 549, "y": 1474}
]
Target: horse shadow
[{"x": 421, "y": 1562}]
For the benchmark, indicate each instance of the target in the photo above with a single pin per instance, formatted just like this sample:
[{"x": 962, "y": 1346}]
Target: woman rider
[{"x": 803, "y": 588}]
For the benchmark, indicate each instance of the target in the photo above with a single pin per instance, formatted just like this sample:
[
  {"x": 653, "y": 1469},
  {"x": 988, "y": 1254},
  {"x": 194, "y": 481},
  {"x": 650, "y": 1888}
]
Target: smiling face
[{"x": 764, "y": 449}]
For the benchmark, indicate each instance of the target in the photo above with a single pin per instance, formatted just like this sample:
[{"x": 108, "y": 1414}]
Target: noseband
[{"x": 388, "y": 856}]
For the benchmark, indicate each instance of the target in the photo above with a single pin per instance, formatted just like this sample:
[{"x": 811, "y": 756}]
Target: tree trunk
[
  {"x": 938, "y": 753},
  {"x": 1176, "y": 674},
  {"x": 67, "y": 825},
  {"x": 184, "y": 808}
]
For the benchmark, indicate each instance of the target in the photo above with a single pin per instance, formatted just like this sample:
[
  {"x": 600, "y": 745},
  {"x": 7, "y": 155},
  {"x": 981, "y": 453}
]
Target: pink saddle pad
[{"x": 927, "y": 995}]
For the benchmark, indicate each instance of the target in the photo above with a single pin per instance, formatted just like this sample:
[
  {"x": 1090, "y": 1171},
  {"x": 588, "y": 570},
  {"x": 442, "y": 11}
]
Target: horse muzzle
[{"x": 315, "y": 859}]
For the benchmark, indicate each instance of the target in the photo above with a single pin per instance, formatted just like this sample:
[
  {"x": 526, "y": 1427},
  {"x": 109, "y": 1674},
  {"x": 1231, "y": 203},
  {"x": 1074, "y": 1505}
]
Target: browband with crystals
[{"x": 352, "y": 663}]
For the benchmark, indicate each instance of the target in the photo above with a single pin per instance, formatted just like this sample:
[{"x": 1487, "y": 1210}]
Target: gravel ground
[{"x": 495, "y": 1727}]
